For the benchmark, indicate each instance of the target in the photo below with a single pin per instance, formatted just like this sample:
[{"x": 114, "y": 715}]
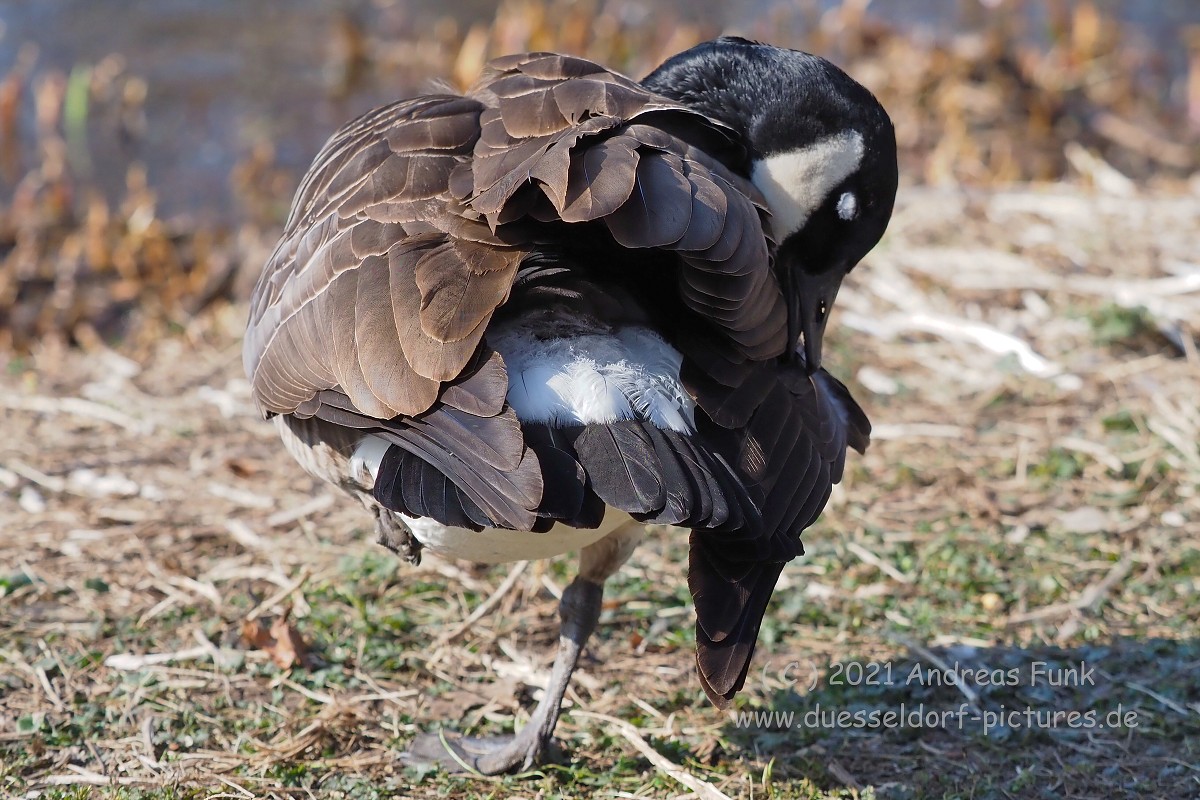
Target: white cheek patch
[{"x": 796, "y": 183}]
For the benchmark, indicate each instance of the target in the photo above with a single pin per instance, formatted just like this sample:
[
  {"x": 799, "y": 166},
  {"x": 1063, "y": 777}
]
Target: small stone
[
  {"x": 31, "y": 501},
  {"x": 93, "y": 484},
  {"x": 991, "y": 602},
  {"x": 1173, "y": 519},
  {"x": 1087, "y": 519}
]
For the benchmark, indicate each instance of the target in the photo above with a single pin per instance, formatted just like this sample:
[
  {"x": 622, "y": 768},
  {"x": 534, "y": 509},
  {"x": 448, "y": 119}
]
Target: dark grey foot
[
  {"x": 489, "y": 755},
  {"x": 393, "y": 534},
  {"x": 578, "y": 609}
]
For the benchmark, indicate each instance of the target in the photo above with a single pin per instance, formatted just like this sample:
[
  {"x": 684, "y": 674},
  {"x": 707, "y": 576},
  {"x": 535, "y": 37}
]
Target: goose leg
[{"x": 578, "y": 611}]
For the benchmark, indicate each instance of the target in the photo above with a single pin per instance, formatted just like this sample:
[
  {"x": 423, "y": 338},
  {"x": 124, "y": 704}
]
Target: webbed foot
[
  {"x": 578, "y": 610},
  {"x": 485, "y": 755}
]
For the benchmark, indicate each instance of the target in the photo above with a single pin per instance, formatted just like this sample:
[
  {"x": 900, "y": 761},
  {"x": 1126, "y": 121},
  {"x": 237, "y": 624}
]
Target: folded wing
[{"x": 411, "y": 230}]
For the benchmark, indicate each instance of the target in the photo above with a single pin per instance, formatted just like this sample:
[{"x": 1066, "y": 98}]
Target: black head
[{"x": 820, "y": 148}]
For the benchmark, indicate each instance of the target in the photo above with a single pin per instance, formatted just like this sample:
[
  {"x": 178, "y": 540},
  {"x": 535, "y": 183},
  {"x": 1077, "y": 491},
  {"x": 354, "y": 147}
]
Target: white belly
[{"x": 494, "y": 546}]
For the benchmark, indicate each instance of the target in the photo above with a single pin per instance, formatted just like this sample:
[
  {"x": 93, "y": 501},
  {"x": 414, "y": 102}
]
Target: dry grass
[
  {"x": 1002, "y": 516},
  {"x": 1027, "y": 353}
]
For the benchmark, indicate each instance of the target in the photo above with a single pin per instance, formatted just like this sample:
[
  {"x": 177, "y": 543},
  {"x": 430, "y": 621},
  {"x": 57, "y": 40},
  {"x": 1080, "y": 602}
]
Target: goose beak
[{"x": 810, "y": 300}]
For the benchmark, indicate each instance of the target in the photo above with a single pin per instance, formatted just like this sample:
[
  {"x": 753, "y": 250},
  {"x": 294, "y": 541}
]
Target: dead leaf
[
  {"x": 243, "y": 468},
  {"x": 281, "y": 641}
]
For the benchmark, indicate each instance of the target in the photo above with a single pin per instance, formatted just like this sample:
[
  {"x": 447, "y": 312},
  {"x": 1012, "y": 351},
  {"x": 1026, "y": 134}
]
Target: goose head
[{"x": 818, "y": 146}]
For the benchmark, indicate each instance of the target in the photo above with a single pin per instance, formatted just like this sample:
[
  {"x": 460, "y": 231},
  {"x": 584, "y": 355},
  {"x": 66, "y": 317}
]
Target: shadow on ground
[{"x": 1119, "y": 719}]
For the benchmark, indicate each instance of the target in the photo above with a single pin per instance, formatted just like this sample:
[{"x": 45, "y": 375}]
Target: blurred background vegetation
[{"x": 148, "y": 151}]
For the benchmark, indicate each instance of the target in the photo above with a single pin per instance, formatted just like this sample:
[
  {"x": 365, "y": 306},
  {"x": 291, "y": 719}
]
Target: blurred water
[{"x": 223, "y": 74}]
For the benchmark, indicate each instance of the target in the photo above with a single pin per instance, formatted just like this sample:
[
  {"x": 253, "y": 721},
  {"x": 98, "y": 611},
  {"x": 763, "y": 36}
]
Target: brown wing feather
[
  {"x": 597, "y": 183},
  {"x": 386, "y": 371},
  {"x": 326, "y": 300},
  {"x": 461, "y": 284},
  {"x": 340, "y": 300},
  {"x": 611, "y": 151},
  {"x": 659, "y": 209},
  {"x": 430, "y": 358}
]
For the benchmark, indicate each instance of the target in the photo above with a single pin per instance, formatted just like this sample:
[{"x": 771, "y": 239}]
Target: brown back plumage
[
  {"x": 409, "y": 228},
  {"x": 408, "y": 234}
]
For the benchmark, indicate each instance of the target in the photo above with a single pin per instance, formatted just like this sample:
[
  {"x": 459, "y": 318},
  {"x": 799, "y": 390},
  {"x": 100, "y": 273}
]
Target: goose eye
[{"x": 847, "y": 206}]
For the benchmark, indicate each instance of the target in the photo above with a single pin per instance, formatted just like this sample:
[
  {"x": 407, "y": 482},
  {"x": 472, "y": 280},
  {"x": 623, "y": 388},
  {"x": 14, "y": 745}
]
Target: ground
[{"x": 1029, "y": 508}]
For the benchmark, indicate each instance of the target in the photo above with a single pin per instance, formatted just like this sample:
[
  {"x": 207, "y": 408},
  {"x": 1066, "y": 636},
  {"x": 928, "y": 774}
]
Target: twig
[
  {"x": 9, "y": 479},
  {"x": 966, "y": 691},
  {"x": 148, "y": 739},
  {"x": 244, "y": 535},
  {"x": 553, "y": 588},
  {"x": 1128, "y": 134},
  {"x": 131, "y": 662},
  {"x": 956, "y": 329},
  {"x": 241, "y": 790},
  {"x": 877, "y": 562},
  {"x": 1088, "y": 598},
  {"x": 84, "y": 777},
  {"x": 280, "y": 595},
  {"x": 669, "y": 768},
  {"x": 988, "y": 338},
  {"x": 320, "y": 697},
  {"x": 454, "y": 573},
  {"x": 289, "y": 515},
  {"x": 1094, "y": 449},
  {"x": 240, "y": 496},
  {"x": 77, "y": 407},
  {"x": 48, "y": 688},
  {"x": 1173, "y": 437},
  {"x": 1166, "y": 701},
  {"x": 842, "y": 774},
  {"x": 1092, "y": 595},
  {"x": 917, "y": 430},
  {"x": 484, "y": 607},
  {"x": 50, "y": 482}
]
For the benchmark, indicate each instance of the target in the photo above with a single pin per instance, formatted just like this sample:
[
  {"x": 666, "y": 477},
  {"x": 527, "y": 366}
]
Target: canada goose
[{"x": 528, "y": 319}]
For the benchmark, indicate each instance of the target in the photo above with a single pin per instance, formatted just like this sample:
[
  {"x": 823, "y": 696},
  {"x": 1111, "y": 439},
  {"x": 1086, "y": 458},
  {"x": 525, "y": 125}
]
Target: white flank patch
[
  {"x": 595, "y": 378},
  {"x": 569, "y": 380},
  {"x": 364, "y": 463},
  {"x": 796, "y": 183},
  {"x": 495, "y": 546}
]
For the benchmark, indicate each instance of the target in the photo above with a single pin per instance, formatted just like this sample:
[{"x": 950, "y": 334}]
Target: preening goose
[{"x": 529, "y": 319}]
